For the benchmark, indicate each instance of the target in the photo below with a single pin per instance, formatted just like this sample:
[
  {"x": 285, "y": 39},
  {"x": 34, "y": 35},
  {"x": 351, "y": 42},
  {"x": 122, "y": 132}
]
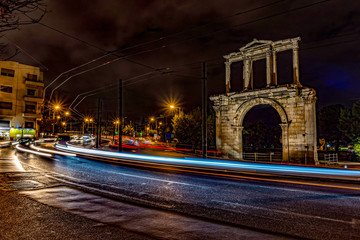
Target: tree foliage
[
  {"x": 128, "y": 129},
  {"x": 328, "y": 124},
  {"x": 349, "y": 122},
  {"x": 187, "y": 128},
  {"x": 356, "y": 146}
]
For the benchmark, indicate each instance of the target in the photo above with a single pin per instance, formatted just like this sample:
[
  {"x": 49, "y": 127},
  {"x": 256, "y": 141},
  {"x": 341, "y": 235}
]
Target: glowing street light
[
  {"x": 56, "y": 107},
  {"x": 92, "y": 125}
]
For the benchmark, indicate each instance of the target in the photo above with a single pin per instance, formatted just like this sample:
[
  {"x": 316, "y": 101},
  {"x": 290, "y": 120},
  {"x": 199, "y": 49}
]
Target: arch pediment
[{"x": 256, "y": 43}]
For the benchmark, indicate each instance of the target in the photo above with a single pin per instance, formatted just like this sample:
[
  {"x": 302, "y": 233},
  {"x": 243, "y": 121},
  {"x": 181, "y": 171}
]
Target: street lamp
[
  {"x": 115, "y": 128},
  {"x": 67, "y": 113},
  {"x": 156, "y": 127},
  {"x": 85, "y": 121},
  {"x": 56, "y": 107},
  {"x": 92, "y": 125}
]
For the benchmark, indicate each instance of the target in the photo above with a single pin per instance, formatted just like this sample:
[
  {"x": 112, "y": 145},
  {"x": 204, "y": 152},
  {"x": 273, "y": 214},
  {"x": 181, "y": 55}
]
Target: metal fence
[
  {"x": 329, "y": 158},
  {"x": 270, "y": 156}
]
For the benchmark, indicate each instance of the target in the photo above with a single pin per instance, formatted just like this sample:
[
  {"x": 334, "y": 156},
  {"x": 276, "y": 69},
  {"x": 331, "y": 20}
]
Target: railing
[
  {"x": 270, "y": 156},
  {"x": 330, "y": 159}
]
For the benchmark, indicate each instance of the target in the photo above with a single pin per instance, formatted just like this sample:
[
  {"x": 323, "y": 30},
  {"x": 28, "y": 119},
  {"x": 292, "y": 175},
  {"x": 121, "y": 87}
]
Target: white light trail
[
  {"x": 32, "y": 151},
  {"x": 52, "y": 151}
]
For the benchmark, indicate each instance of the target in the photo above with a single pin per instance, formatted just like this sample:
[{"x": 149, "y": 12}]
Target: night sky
[{"x": 164, "y": 43}]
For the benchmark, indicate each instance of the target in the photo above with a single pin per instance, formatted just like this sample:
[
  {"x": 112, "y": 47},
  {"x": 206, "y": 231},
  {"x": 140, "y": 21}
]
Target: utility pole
[
  {"x": 204, "y": 111},
  {"x": 120, "y": 115},
  {"x": 98, "y": 127}
]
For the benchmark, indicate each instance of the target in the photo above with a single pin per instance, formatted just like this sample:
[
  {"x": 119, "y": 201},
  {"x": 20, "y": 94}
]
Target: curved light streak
[
  {"x": 52, "y": 151},
  {"x": 218, "y": 164},
  {"x": 32, "y": 151}
]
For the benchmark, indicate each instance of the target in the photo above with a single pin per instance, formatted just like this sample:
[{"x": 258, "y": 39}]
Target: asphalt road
[{"x": 286, "y": 208}]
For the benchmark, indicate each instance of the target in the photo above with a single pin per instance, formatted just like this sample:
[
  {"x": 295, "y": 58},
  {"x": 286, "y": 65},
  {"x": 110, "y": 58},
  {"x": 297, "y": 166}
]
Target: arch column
[
  {"x": 238, "y": 153},
  {"x": 268, "y": 69},
  {"x": 285, "y": 141},
  {"x": 227, "y": 76},
  {"x": 247, "y": 73},
  {"x": 296, "y": 78}
]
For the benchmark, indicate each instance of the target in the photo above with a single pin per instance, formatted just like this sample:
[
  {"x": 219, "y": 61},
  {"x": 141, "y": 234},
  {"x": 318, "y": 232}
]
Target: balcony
[
  {"x": 33, "y": 99},
  {"x": 31, "y": 115},
  {"x": 30, "y": 82}
]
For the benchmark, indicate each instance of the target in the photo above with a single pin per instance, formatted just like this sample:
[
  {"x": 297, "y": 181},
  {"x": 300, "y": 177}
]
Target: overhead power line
[
  {"x": 113, "y": 52},
  {"x": 175, "y": 43}
]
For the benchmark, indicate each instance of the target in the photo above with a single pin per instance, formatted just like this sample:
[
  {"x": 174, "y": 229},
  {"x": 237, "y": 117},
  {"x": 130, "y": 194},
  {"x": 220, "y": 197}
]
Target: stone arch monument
[{"x": 294, "y": 103}]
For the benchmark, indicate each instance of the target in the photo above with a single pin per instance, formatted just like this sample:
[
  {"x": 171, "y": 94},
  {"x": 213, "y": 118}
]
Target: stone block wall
[{"x": 296, "y": 108}]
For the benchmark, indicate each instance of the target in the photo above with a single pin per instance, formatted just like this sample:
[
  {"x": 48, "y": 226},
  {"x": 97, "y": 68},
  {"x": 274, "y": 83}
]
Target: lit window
[
  {"x": 6, "y": 89},
  {"x": 29, "y": 125},
  {"x": 29, "y": 108},
  {"x": 32, "y": 77},
  {"x": 31, "y": 92},
  {"x": 7, "y": 72},
  {"x": 5, "y": 105}
]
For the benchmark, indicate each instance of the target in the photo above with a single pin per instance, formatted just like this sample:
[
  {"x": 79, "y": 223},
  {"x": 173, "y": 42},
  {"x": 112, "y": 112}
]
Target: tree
[
  {"x": 349, "y": 122},
  {"x": 15, "y": 13},
  {"x": 128, "y": 129},
  {"x": 328, "y": 124},
  {"x": 187, "y": 128}
]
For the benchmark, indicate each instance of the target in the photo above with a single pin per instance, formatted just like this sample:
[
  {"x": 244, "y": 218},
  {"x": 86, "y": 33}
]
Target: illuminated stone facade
[{"x": 294, "y": 103}]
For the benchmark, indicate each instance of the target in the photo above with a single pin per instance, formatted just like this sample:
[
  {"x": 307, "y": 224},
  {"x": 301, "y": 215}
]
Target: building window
[
  {"x": 30, "y": 108},
  {"x": 32, "y": 77},
  {"x": 6, "y": 89},
  {"x": 4, "y": 123},
  {"x": 29, "y": 125},
  {"x": 5, "y": 105},
  {"x": 7, "y": 72},
  {"x": 31, "y": 92}
]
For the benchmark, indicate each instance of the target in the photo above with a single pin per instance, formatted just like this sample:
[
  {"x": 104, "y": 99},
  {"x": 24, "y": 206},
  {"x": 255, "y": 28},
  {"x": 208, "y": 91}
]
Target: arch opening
[{"x": 262, "y": 134}]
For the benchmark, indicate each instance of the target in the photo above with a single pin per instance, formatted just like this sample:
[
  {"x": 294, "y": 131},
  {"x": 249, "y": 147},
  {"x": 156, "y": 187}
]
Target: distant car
[
  {"x": 26, "y": 141},
  {"x": 64, "y": 138}
]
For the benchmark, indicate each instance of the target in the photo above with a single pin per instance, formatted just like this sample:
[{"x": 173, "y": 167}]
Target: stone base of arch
[{"x": 296, "y": 108}]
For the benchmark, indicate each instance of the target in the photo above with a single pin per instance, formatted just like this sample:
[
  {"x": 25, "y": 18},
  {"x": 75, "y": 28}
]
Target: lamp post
[
  {"x": 92, "y": 125},
  {"x": 66, "y": 119},
  {"x": 55, "y": 108},
  {"x": 64, "y": 124},
  {"x": 84, "y": 123},
  {"x": 156, "y": 127},
  {"x": 118, "y": 128}
]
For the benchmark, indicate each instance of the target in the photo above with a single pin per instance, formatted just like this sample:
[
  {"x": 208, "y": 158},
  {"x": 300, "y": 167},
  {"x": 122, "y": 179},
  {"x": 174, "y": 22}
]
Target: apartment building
[{"x": 21, "y": 99}]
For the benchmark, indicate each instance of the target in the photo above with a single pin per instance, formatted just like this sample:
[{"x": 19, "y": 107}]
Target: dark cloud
[{"x": 107, "y": 25}]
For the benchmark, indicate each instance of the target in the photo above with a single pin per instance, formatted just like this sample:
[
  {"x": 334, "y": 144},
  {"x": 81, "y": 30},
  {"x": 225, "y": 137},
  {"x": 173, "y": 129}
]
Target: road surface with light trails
[{"x": 298, "y": 208}]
